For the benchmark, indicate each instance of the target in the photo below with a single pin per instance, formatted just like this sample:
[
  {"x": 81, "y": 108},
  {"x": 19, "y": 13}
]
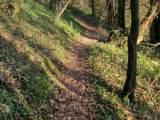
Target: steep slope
[{"x": 43, "y": 71}]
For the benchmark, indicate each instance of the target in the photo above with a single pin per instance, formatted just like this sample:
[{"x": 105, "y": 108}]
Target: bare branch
[
  {"x": 148, "y": 90},
  {"x": 150, "y": 44}
]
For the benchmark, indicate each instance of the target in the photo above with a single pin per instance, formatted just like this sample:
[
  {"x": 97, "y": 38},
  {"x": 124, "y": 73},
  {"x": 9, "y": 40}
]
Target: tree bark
[
  {"x": 121, "y": 13},
  {"x": 152, "y": 31},
  {"x": 130, "y": 84},
  {"x": 50, "y": 5},
  {"x": 61, "y": 12},
  {"x": 93, "y": 9},
  {"x": 157, "y": 28},
  {"x": 110, "y": 10},
  {"x": 153, "y": 12}
]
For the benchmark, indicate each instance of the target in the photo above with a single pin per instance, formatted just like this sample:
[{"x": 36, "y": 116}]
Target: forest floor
[{"x": 77, "y": 102}]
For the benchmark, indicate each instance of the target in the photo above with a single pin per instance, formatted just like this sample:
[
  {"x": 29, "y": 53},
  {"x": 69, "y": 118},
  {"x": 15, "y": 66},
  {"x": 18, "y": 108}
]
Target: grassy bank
[
  {"x": 32, "y": 48},
  {"x": 109, "y": 65}
]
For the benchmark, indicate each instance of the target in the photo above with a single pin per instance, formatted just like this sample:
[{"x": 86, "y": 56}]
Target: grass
[
  {"x": 109, "y": 72},
  {"x": 32, "y": 49}
]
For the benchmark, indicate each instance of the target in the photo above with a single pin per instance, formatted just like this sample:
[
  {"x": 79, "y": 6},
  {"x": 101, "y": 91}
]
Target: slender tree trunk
[
  {"x": 93, "y": 9},
  {"x": 61, "y": 12},
  {"x": 157, "y": 28},
  {"x": 121, "y": 13},
  {"x": 152, "y": 31},
  {"x": 130, "y": 84},
  {"x": 153, "y": 12},
  {"x": 50, "y": 5},
  {"x": 110, "y": 10}
]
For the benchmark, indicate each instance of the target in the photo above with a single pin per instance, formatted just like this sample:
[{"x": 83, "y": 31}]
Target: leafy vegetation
[
  {"x": 109, "y": 70},
  {"x": 31, "y": 50},
  {"x": 34, "y": 48}
]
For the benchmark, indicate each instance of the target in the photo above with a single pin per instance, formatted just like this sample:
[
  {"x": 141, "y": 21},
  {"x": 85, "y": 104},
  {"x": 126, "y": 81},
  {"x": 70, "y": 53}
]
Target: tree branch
[
  {"x": 150, "y": 44},
  {"x": 148, "y": 90}
]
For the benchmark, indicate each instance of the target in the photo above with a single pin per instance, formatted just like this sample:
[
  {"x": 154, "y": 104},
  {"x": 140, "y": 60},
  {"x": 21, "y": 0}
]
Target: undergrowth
[{"x": 109, "y": 65}]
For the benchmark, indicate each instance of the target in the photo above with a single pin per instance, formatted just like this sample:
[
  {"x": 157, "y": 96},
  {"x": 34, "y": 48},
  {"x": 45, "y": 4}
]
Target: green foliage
[
  {"x": 120, "y": 37},
  {"x": 30, "y": 55},
  {"x": 109, "y": 65},
  {"x": 11, "y": 9}
]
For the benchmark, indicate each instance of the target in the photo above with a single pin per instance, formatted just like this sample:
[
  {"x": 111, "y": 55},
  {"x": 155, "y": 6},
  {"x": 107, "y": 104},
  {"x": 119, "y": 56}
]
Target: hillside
[{"x": 59, "y": 70}]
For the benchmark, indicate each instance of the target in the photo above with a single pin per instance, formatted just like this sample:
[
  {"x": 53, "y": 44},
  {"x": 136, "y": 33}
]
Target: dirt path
[{"x": 77, "y": 103}]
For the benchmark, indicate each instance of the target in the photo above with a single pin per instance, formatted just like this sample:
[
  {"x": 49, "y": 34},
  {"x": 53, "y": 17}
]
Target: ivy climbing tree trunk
[
  {"x": 146, "y": 22},
  {"x": 130, "y": 84},
  {"x": 121, "y": 13},
  {"x": 61, "y": 12},
  {"x": 93, "y": 9}
]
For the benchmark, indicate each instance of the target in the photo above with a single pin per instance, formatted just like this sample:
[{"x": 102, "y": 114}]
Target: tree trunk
[
  {"x": 93, "y": 9},
  {"x": 50, "y": 5},
  {"x": 153, "y": 12},
  {"x": 121, "y": 13},
  {"x": 157, "y": 29},
  {"x": 152, "y": 31},
  {"x": 130, "y": 84},
  {"x": 61, "y": 12},
  {"x": 110, "y": 10}
]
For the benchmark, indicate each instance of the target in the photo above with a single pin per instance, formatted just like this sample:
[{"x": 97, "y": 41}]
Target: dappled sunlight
[{"x": 67, "y": 69}]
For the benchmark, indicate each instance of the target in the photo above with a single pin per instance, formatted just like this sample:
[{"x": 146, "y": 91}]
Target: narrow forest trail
[{"x": 77, "y": 103}]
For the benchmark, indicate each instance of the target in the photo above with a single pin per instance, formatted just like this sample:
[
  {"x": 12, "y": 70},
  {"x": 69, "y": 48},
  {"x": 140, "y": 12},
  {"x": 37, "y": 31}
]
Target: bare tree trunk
[
  {"x": 121, "y": 13},
  {"x": 152, "y": 31},
  {"x": 157, "y": 29},
  {"x": 110, "y": 10},
  {"x": 50, "y": 5},
  {"x": 154, "y": 10},
  {"x": 93, "y": 9},
  {"x": 130, "y": 84},
  {"x": 61, "y": 12}
]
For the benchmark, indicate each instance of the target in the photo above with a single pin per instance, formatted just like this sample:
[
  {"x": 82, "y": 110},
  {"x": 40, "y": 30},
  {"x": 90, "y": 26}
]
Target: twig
[
  {"x": 150, "y": 44},
  {"x": 152, "y": 82},
  {"x": 157, "y": 93},
  {"x": 147, "y": 89}
]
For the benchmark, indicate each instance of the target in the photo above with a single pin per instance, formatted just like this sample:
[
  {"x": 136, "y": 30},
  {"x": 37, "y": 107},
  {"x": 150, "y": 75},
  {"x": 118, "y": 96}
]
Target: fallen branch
[
  {"x": 153, "y": 82},
  {"x": 150, "y": 44}
]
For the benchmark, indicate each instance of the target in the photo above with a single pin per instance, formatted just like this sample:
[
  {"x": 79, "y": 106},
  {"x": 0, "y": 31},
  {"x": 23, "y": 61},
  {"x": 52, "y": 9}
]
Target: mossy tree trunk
[
  {"x": 130, "y": 84},
  {"x": 61, "y": 12},
  {"x": 93, "y": 9},
  {"x": 121, "y": 13},
  {"x": 146, "y": 22}
]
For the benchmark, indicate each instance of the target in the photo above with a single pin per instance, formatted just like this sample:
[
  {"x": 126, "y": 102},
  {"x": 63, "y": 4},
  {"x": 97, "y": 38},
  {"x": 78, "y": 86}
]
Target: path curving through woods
[{"x": 77, "y": 103}]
